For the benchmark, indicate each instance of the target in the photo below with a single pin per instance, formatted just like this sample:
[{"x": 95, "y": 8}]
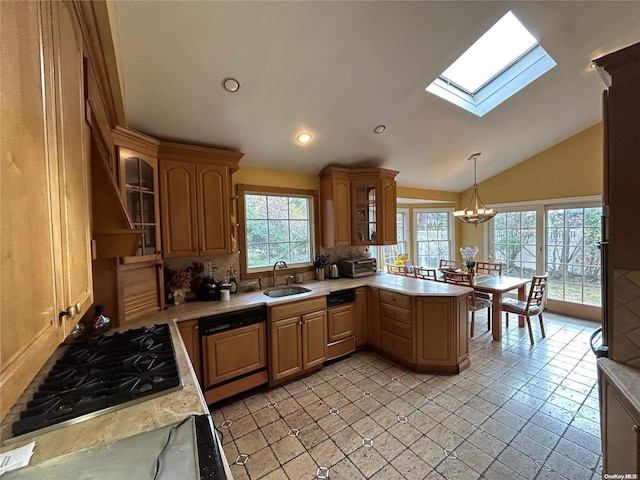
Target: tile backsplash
[{"x": 222, "y": 263}]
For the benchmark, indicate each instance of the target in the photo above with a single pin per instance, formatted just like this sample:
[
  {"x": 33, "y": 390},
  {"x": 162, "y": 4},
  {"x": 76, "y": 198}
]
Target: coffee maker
[{"x": 209, "y": 288}]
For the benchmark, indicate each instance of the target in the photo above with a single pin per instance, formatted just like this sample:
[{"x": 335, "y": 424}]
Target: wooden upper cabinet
[
  {"x": 370, "y": 218},
  {"x": 43, "y": 188},
  {"x": 335, "y": 201},
  {"x": 137, "y": 156},
  {"x": 212, "y": 194},
  {"x": 178, "y": 217},
  {"x": 195, "y": 199},
  {"x": 389, "y": 212},
  {"x": 73, "y": 169}
]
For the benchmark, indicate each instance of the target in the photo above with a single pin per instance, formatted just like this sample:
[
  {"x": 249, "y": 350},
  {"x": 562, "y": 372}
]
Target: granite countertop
[
  {"x": 147, "y": 415},
  {"x": 625, "y": 377},
  {"x": 395, "y": 283}
]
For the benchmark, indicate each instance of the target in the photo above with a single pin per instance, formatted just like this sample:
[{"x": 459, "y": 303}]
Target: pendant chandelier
[{"x": 476, "y": 212}]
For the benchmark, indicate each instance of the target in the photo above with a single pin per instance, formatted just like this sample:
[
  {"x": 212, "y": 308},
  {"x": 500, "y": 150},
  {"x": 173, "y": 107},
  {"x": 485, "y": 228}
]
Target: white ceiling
[{"x": 338, "y": 69}]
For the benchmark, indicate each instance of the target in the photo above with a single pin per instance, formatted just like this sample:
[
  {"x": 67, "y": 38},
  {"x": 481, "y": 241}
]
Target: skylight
[{"x": 501, "y": 62}]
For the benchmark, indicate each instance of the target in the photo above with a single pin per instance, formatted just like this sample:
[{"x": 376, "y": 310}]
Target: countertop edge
[{"x": 626, "y": 378}]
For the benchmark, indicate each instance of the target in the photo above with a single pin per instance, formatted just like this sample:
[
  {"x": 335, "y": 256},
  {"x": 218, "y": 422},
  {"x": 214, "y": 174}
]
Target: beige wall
[
  {"x": 571, "y": 168},
  {"x": 275, "y": 178}
]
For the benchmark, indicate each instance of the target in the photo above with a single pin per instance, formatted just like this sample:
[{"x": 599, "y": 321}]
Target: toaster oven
[{"x": 358, "y": 267}]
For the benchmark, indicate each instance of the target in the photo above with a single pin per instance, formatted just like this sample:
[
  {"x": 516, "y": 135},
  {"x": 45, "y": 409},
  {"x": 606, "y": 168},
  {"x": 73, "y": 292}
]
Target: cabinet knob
[
  {"x": 78, "y": 308},
  {"x": 196, "y": 327},
  {"x": 635, "y": 429}
]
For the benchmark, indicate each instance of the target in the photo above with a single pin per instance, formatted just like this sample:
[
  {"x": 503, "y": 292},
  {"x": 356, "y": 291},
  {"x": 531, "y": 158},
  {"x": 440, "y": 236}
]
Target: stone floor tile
[
  {"x": 251, "y": 443},
  {"x": 368, "y": 461},
  {"x": 530, "y": 447},
  {"x": 367, "y": 427},
  {"x": 519, "y": 462},
  {"x": 429, "y": 451},
  {"x": 586, "y": 440},
  {"x": 301, "y": 468},
  {"x": 567, "y": 467},
  {"x": 540, "y": 435},
  {"x": 261, "y": 463},
  {"x": 388, "y": 446},
  {"x": 345, "y": 469},
  {"x": 577, "y": 453},
  {"x": 499, "y": 471},
  {"x": 326, "y": 453},
  {"x": 410, "y": 466},
  {"x": 473, "y": 456},
  {"x": 387, "y": 473},
  {"x": 287, "y": 448},
  {"x": 275, "y": 431},
  {"x": 405, "y": 433},
  {"x": 455, "y": 468},
  {"x": 385, "y": 417},
  {"x": 311, "y": 435},
  {"x": 347, "y": 440},
  {"x": 332, "y": 424}
]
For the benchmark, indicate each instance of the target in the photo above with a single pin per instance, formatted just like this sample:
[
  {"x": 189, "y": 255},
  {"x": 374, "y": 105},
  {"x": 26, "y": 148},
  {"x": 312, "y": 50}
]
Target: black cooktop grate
[{"x": 100, "y": 373}]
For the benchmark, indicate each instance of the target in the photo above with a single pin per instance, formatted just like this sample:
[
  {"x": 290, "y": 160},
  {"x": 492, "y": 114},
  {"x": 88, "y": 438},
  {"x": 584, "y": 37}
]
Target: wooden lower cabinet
[
  {"x": 191, "y": 339},
  {"x": 373, "y": 316},
  {"x": 314, "y": 327},
  {"x": 360, "y": 315},
  {"x": 298, "y": 338},
  {"x": 286, "y": 348},
  {"x": 441, "y": 332},
  {"x": 620, "y": 433},
  {"x": 233, "y": 353}
]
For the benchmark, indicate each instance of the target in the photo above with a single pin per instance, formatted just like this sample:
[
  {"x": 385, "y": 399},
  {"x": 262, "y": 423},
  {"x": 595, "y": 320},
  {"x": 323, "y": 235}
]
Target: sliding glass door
[
  {"x": 556, "y": 238},
  {"x": 573, "y": 259}
]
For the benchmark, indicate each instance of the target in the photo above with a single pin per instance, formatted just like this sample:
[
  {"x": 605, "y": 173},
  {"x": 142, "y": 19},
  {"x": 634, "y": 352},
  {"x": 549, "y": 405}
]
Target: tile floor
[{"x": 519, "y": 412}]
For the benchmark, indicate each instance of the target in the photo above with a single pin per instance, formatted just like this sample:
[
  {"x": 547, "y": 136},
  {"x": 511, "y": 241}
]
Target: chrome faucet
[{"x": 282, "y": 264}]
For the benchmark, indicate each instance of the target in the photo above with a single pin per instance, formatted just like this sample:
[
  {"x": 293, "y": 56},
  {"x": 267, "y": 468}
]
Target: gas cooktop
[{"x": 98, "y": 375}]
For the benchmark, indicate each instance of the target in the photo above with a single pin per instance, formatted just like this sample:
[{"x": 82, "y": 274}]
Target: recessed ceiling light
[
  {"x": 231, "y": 84},
  {"x": 379, "y": 129},
  {"x": 304, "y": 137}
]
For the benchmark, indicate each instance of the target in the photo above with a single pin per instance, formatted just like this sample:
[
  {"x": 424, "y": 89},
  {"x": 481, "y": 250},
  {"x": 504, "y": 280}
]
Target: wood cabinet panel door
[
  {"x": 191, "y": 338},
  {"x": 360, "y": 315},
  {"x": 233, "y": 353},
  {"x": 373, "y": 316},
  {"x": 621, "y": 441},
  {"x": 342, "y": 211},
  {"x": 314, "y": 337},
  {"x": 286, "y": 348},
  {"x": 178, "y": 209},
  {"x": 73, "y": 146},
  {"x": 213, "y": 209},
  {"x": 29, "y": 330},
  {"x": 434, "y": 331},
  {"x": 340, "y": 323},
  {"x": 388, "y": 229}
]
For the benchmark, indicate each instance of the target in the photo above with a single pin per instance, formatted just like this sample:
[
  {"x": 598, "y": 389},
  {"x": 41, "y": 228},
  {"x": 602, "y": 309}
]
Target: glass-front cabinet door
[
  {"x": 365, "y": 194},
  {"x": 139, "y": 185}
]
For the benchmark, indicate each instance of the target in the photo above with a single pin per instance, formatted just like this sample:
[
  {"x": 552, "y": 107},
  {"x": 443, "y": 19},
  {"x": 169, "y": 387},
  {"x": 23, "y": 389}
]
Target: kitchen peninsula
[{"x": 439, "y": 343}]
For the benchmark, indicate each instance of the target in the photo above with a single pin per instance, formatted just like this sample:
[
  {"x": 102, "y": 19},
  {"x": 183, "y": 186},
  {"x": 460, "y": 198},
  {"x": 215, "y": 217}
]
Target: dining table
[{"x": 497, "y": 286}]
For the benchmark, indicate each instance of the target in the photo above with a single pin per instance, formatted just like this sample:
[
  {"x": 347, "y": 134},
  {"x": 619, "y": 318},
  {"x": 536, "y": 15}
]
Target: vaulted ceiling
[{"x": 339, "y": 69}]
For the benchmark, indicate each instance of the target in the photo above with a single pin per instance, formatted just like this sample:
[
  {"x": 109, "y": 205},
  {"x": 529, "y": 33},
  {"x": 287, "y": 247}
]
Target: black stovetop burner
[{"x": 99, "y": 373}]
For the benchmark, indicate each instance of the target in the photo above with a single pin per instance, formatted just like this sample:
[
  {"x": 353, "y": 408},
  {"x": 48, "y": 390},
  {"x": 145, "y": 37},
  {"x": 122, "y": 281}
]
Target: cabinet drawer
[
  {"x": 395, "y": 345},
  {"x": 398, "y": 328},
  {"x": 292, "y": 309},
  {"x": 395, "y": 313},
  {"x": 396, "y": 299}
]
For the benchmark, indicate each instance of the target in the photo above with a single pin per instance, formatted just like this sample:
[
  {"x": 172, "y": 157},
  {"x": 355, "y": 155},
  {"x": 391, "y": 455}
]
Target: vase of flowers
[
  {"x": 181, "y": 285},
  {"x": 469, "y": 255}
]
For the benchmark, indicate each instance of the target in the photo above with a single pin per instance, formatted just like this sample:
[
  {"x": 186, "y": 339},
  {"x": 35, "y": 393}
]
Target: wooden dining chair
[
  {"x": 533, "y": 305},
  {"x": 425, "y": 273},
  {"x": 399, "y": 270},
  {"x": 476, "y": 303},
  {"x": 448, "y": 264},
  {"x": 488, "y": 268}
]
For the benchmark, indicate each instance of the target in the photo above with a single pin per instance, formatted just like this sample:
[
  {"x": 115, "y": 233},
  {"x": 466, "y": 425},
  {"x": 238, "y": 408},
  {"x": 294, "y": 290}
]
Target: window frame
[
  {"x": 241, "y": 191},
  {"x": 406, "y": 212},
  {"x": 451, "y": 223}
]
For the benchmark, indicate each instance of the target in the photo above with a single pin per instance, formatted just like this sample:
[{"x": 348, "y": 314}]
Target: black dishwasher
[
  {"x": 234, "y": 357},
  {"x": 341, "y": 297},
  {"x": 341, "y": 338}
]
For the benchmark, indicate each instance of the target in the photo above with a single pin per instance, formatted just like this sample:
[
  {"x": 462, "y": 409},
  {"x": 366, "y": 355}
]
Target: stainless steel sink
[{"x": 286, "y": 291}]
